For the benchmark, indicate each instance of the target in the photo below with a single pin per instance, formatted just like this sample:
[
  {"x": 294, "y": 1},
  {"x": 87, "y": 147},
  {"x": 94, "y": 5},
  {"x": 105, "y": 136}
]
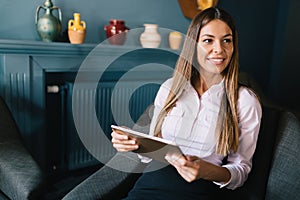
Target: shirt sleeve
[{"x": 240, "y": 162}]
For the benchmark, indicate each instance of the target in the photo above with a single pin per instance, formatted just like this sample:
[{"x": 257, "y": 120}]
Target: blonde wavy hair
[{"x": 187, "y": 70}]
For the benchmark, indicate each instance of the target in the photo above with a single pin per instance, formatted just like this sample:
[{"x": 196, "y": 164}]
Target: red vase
[{"x": 116, "y": 31}]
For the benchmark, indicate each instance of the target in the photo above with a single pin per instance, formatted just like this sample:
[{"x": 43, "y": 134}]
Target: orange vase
[{"x": 76, "y": 30}]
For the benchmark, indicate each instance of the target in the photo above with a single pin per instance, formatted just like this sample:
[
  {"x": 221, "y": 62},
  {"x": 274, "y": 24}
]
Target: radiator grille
[{"x": 77, "y": 155}]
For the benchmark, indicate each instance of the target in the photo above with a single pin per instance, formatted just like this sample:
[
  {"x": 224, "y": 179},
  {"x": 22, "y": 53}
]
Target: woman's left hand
[
  {"x": 189, "y": 167},
  {"x": 192, "y": 168}
]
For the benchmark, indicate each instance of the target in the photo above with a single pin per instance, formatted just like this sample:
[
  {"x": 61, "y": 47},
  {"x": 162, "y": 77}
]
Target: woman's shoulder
[
  {"x": 248, "y": 99},
  {"x": 247, "y": 94},
  {"x": 167, "y": 83},
  {"x": 163, "y": 91}
]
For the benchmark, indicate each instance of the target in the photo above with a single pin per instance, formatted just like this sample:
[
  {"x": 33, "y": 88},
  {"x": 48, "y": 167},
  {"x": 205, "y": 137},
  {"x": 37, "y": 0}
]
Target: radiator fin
[{"x": 125, "y": 98}]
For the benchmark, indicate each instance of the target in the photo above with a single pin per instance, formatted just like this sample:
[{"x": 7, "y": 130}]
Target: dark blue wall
[
  {"x": 18, "y": 16},
  {"x": 268, "y": 32}
]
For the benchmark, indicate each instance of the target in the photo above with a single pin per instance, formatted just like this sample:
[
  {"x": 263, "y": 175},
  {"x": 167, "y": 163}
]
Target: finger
[
  {"x": 188, "y": 169},
  {"x": 125, "y": 142},
  {"x": 189, "y": 174},
  {"x": 183, "y": 163},
  {"x": 184, "y": 173},
  {"x": 123, "y": 148},
  {"x": 176, "y": 159},
  {"x": 119, "y": 135},
  {"x": 191, "y": 158}
]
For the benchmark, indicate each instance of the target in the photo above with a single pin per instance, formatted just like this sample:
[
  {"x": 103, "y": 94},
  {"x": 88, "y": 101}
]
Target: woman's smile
[{"x": 217, "y": 61}]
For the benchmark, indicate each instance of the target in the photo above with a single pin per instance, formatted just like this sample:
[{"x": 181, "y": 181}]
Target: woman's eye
[
  {"x": 227, "y": 40},
  {"x": 207, "y": 40}
]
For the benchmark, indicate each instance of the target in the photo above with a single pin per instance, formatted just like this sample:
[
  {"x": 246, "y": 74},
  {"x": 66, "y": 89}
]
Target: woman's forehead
[{"x": 216, "y": 27}]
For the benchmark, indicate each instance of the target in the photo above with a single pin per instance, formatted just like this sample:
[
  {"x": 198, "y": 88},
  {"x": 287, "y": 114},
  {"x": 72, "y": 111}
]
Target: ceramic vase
[
  {"x": 175, "y": 39},
  {"x": 76, "y": 30},
  {"x": 150, "y": 38},
  {"x": 116, "y": 31},
  {"x": 48, "y": 26}
]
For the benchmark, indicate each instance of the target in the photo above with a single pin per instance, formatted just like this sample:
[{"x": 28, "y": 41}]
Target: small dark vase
[{"x": 116, "y": 31}]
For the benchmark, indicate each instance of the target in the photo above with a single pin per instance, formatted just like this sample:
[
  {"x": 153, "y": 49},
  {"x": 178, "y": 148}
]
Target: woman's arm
[{"x": 240, "y": 163}]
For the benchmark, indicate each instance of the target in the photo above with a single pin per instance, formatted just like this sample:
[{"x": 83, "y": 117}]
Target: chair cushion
[{"x": 284, "y": 175}]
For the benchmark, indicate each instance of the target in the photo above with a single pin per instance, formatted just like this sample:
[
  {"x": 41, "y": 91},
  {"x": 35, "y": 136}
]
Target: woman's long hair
[{"x": 187, "y": 70}]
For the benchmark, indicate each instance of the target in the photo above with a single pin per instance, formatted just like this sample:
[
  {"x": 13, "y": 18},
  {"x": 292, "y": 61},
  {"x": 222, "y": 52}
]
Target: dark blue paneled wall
[{"x": 268, "y": 32}]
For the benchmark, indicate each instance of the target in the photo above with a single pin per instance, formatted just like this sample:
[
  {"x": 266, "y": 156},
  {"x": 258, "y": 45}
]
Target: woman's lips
[{"x": 217, "y": 61}]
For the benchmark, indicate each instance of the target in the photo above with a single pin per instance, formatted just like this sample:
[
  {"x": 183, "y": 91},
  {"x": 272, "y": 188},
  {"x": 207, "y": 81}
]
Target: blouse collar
[{"x": 214, "y": 89}]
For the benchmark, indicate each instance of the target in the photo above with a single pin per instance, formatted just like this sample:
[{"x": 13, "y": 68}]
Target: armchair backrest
[{"x": 283, "y": 182}]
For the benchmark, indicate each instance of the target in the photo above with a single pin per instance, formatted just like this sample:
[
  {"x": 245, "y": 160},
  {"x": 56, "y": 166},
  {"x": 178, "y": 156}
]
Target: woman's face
[{"x": 215, "y": 47}]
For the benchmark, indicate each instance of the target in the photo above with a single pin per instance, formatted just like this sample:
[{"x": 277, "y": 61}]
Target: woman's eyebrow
[
  {"x": 228, "y": 35},
  {"x": 209, "y": 35}
]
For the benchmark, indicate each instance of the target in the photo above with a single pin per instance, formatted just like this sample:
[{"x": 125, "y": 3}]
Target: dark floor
[{"x": 58, "y": 186}]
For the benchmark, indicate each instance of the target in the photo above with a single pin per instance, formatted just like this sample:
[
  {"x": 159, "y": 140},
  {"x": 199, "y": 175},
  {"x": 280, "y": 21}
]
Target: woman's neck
[
  {"x": 203, "y": 83},
  {"x": 200, "y": 86}
]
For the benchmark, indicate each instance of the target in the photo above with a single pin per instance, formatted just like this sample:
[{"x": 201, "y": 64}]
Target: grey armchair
[
  {"x": 20, "y": 176},
  {"x": 274, "y": 176}
]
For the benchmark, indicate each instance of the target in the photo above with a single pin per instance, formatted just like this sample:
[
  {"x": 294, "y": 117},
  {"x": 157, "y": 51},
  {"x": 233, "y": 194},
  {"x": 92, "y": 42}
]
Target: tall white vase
[{"x": 150, "y": 38}]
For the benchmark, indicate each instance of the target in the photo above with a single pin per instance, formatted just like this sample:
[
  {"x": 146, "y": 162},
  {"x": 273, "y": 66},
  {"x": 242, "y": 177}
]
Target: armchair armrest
[
  {"x": 20, "y": 175},
  {"x": 109, "y": 182}
]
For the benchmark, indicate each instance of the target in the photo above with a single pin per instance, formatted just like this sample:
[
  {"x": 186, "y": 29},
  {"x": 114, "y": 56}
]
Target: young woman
[{"x": 213, "y": 119}]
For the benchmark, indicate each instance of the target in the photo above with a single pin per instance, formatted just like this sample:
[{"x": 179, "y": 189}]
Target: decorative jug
[
  {"x": 76, "y": 29},
  {"x": 116, "y": 31},
  {"x": 48, "y": 26},
  {"x": 150, "y": 38}
]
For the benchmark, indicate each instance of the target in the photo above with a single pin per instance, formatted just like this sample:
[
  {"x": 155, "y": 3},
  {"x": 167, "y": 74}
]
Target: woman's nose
[{"x": 217, "y": 48}]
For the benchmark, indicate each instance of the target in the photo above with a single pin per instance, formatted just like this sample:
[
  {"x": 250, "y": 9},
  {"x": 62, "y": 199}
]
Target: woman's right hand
[{"x": 122, "y": 142}]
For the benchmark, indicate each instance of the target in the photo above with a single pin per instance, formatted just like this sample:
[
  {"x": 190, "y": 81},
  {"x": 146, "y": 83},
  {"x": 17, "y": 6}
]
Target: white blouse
[{"x": 192, "y": 123}]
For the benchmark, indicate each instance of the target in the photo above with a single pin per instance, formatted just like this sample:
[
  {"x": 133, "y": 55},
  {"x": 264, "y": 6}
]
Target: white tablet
[{"x": 151, "y": 146}]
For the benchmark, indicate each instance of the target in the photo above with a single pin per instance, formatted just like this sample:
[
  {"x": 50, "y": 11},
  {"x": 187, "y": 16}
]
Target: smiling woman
[{"x": 202, "y": 108}]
